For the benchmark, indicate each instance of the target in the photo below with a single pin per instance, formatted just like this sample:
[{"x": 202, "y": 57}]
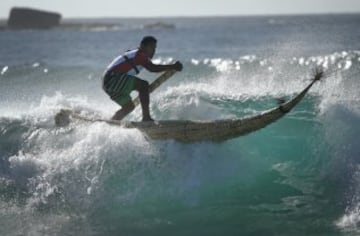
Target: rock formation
[{"x": 26, "y": 18}]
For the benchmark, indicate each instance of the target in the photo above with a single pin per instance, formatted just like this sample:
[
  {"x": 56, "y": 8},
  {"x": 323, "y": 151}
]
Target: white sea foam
[{"x": 350, "y": 221}]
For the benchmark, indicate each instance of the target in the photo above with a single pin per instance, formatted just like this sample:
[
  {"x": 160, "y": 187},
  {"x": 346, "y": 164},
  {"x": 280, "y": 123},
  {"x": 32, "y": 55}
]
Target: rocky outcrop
[{"x": 26, "y": 18}]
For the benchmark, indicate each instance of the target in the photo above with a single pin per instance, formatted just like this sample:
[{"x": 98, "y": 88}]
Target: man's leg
[
  {"x": 126, "y": 109},
  {"x": 142, "y": 87}
]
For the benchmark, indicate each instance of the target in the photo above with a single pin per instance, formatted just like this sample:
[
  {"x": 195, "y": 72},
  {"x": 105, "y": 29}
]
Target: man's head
[{"x": 148, "y": 45}]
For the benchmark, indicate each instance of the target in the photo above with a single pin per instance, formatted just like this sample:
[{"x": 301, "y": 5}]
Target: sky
[{"x": 156, "y": 8}]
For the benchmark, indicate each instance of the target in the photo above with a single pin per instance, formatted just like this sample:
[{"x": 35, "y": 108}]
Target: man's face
[{"x": 150, "y": 49}]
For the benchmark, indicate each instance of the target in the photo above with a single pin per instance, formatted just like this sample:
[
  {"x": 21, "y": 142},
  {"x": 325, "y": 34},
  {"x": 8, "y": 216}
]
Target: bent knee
[{"x": 142, "y": 85}]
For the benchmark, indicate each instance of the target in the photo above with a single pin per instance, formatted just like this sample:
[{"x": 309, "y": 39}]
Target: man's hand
[{"x": 178, "y": 66}]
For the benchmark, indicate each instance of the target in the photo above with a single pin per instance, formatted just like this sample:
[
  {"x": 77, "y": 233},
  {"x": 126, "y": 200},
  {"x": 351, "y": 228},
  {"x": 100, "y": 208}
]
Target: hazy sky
[{"x": 139, "y": 8}]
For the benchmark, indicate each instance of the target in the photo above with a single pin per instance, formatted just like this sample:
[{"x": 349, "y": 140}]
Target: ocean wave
[
  {"x": 342, "y": 129},
  {"x": 87, "y": 168},
  {"x": 93, "y": 172}
]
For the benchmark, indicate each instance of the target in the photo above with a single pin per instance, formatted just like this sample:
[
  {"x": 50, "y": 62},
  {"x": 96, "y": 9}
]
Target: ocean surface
[{"x": 298, "y": 176}]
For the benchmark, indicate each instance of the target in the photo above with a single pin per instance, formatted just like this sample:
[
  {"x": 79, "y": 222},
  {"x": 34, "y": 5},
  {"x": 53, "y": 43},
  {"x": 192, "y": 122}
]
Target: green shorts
[{"x": 119, "y": 86}]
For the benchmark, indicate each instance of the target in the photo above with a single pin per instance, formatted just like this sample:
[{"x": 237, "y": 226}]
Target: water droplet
[
  {"x": 36, "y": 64},
  {"x": 4, "y": 69}
]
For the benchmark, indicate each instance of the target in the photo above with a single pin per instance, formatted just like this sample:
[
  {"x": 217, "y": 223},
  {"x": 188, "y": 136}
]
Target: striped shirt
[{"x": 137, "y": 57}]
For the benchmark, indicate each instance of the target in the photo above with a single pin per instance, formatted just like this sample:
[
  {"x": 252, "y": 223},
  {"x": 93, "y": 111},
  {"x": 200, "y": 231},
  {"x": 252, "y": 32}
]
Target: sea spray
[{"x": 297, "y": 176}]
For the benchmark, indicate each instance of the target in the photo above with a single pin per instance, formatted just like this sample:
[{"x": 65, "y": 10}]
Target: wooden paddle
[{"x": 155, "y": 84}]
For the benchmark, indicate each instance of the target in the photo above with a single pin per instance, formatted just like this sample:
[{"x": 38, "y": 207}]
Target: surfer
[{"x": 120, "y": 78}]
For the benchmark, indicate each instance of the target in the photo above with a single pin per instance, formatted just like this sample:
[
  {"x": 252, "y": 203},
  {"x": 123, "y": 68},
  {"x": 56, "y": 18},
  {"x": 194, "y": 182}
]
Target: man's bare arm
[{"x": 159, "y": 68}]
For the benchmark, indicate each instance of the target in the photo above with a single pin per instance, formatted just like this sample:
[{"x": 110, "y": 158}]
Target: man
[{"x": 119, "y": 79}]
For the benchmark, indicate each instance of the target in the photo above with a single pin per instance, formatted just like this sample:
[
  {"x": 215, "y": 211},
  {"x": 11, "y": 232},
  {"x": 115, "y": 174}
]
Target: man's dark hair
[{"x": 147, "y": 40}]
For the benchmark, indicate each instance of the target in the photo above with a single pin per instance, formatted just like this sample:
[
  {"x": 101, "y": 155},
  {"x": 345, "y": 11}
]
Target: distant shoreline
[{"x": 163, "y": 21}]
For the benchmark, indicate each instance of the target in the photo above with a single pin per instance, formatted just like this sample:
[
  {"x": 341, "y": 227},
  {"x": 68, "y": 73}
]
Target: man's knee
[{"x": 142, "y": 85}]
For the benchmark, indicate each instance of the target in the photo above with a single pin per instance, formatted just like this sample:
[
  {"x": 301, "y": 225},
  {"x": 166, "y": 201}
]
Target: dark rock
[{"x": 26, "y": 18}]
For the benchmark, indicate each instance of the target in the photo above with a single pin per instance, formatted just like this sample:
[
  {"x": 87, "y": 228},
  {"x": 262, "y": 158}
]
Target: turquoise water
[{"x": 298, "y": 176}]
